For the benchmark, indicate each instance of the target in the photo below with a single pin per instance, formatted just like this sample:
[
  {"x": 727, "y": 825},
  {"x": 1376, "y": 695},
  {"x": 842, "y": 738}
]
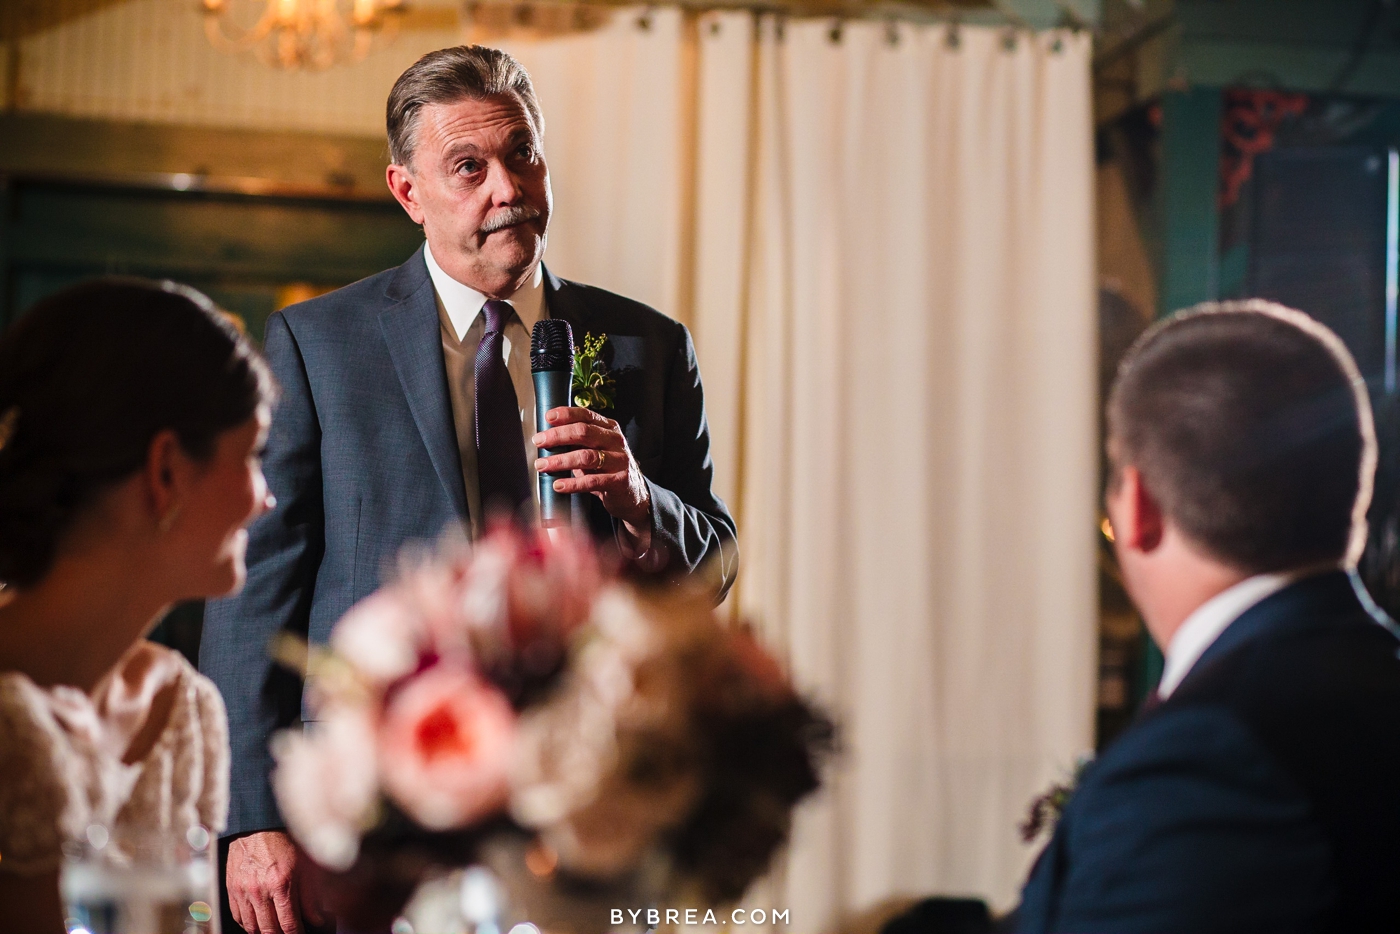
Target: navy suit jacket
[
  {"x": 362, "y": 457},
  {"x": 1262, "y": 795}
]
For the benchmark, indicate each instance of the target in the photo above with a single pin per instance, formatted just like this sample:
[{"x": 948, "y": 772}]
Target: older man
[{"x": 408, "y": 406}]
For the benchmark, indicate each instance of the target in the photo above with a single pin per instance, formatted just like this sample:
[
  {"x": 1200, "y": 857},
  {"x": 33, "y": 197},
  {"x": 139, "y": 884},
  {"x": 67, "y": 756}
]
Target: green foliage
[{"x": 592, "y": 383}]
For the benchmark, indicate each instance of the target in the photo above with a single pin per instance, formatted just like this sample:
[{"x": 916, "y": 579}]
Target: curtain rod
[{"x": 967, "y": 12}]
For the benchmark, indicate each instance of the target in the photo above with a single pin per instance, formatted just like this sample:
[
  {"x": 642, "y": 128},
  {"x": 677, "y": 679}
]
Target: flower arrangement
[
  {"x": 516, "y": 688},
  {"x": 592, "y": 383}
]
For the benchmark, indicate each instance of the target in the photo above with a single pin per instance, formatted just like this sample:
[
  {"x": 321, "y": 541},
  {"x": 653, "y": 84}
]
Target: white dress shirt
[
  {"x": 463, "y": 326},
  {"x": 1200, "y": 630}
]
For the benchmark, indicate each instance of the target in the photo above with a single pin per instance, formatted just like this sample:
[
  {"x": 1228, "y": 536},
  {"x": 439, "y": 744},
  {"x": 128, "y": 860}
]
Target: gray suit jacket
[{"x": 363, "y": 457}]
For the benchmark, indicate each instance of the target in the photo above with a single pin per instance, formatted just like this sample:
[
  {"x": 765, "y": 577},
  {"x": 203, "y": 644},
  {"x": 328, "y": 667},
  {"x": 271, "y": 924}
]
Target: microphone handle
[{"x": 553, "y": 388}]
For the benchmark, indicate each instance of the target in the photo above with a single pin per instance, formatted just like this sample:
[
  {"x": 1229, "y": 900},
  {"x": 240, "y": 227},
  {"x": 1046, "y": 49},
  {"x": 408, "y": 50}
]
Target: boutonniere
[
  {"x": 1047, "y": 807},
  {"x": 592, "y": 383}
]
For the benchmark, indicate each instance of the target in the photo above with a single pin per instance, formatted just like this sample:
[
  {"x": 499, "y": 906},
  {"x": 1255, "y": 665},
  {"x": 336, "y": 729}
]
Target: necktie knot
[{"x": 497, "y": 314}]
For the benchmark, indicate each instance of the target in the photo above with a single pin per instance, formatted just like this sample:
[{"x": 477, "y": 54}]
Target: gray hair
[{"x": 471, "y": 72}]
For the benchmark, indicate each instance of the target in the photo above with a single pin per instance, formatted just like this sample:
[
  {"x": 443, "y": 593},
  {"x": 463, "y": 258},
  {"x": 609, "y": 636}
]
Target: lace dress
[{"x": 61, "y": 753}]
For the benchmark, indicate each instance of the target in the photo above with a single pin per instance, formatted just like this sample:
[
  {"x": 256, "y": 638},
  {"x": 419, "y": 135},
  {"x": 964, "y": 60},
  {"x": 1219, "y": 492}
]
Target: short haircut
[
  {"x": 463, "y": 72},
  {"x": 1251, "y": 426}
]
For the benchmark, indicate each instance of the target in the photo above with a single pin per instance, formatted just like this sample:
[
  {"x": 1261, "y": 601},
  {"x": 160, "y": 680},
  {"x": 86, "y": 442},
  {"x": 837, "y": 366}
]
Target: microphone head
[{"x": 551, "y": 346}]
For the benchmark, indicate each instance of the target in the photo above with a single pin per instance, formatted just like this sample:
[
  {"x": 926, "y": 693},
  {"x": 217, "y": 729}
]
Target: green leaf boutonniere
[{"x": 592, "y": 383}]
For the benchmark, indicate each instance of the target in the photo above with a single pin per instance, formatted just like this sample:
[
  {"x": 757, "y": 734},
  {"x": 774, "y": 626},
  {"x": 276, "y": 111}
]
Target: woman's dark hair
[{"x": 88, "y": 378}]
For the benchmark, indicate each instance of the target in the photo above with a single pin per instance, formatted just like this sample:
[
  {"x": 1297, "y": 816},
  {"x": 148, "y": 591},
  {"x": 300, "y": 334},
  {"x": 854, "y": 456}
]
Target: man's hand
[
  {"x": 269, "y": 889},
  {"x": 602, "y": 465}
]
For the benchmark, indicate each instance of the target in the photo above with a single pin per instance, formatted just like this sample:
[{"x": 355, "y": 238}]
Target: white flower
[
  {"x": 327, "y": 784},
  {"x": 608, "y": 764},
  {"x": 380, "y": 637}
]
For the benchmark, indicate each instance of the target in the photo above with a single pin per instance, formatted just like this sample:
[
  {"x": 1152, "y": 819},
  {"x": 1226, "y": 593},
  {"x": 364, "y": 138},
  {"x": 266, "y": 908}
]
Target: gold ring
[{"x": 600, "y": 452}]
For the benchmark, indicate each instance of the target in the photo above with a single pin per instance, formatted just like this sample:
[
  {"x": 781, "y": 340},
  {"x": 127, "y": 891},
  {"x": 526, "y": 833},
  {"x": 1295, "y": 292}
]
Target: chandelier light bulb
[{"x": 302, "y": 34}]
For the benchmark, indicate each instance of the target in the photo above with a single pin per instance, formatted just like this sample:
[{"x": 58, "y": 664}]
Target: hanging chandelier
[{"x": 309, "y": 34}]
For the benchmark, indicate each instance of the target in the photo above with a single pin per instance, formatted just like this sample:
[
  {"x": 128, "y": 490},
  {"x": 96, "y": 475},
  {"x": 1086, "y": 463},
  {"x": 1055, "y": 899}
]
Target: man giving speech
[{"x": 408, "y": 407}]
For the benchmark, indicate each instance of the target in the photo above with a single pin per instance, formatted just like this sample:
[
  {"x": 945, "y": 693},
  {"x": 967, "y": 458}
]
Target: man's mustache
[{"x": 508, "y": 217}]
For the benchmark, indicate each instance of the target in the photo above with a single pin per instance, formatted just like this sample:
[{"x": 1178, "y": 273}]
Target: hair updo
[{"x": 88, "y": 378}]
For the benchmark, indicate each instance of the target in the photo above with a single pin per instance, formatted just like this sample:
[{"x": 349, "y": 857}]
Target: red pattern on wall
[{"x": 1248, "y": 128}]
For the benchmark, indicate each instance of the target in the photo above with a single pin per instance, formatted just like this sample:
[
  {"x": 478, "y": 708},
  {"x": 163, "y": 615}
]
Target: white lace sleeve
[
  {"x": 52, "y": 775},
  {"x": 213, "y": 720},
  {"x": 184, "y": 777}
]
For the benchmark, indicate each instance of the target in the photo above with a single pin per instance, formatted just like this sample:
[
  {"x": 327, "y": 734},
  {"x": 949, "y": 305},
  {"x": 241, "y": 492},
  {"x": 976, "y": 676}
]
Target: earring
[{"x": 167, "y": 521}]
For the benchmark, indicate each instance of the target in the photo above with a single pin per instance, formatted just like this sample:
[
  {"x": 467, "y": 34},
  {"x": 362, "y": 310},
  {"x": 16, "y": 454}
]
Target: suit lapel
[
  {"x": 561, "y": 299},
  {"x": 1040, "y": 896},
  {"x": 411, "y": 331},
  {"x": 1310, "y": 602}
]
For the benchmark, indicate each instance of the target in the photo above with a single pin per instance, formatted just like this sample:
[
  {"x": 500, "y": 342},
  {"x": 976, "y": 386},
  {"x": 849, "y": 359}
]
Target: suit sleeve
[
  {"x": 1201, "y": 831},
  {"x": 690, "y": 523},
  {"x": 284, "y": 553}
]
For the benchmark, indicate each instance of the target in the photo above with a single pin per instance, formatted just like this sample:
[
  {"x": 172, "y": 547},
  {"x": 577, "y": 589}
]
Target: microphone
[{"x": 552, "y": 366}]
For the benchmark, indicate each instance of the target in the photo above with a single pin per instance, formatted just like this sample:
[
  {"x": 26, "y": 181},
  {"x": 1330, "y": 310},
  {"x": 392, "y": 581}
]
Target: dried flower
[
  {"x": 672, "y": 731},
  {"x": 522, "y": 598},
  {"x": 607, "y": 765},
  {"x": 1046, "y": 808}
]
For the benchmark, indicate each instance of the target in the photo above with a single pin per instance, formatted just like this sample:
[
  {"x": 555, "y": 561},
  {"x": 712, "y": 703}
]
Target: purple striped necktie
[{"x": 502, "y": 474}]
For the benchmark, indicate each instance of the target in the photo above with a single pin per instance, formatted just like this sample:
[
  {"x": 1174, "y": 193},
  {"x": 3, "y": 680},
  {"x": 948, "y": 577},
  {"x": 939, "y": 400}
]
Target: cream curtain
[
  {"x": 613, "y": 113},
  {"x": 917, "y": 458},
  {"x": 889, "y": 235}
]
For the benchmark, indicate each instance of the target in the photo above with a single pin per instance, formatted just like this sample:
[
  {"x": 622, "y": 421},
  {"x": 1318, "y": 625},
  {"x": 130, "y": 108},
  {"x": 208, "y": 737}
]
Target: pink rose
[
  {"x": 445, "y": 747},
  {"x": 511, "y": 604},
  {"x": 553, "y": 590},
  {"x": 523, "y": 595}
]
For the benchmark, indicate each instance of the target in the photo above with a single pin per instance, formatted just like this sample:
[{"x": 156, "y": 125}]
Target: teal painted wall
[
  {"x": 240, "y": 249},
  {"x": 1189, "y": 184},
  {"x": 1302, "y": 45}
]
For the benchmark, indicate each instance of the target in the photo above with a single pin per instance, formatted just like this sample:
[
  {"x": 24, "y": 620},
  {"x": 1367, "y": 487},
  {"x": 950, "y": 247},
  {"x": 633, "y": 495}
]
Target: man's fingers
[
  {"x": 235, "y": 908},
  {"x": 583, "y": 459},
  {"x": 565, "y": 415},
  {"x": 588, "y": 436},
  {"x": 265, "y": 916},
  {"x": 286, "y": 910},
  {"x": 592, "y": 483}
]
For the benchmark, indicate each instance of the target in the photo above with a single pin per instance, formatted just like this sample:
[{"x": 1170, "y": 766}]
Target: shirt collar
[
  {"x": 463, "y": 303},
  {"x": 1200, "y": 630}
]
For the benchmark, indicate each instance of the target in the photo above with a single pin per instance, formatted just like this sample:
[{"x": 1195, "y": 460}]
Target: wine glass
[{"x": 144, "y": 881}]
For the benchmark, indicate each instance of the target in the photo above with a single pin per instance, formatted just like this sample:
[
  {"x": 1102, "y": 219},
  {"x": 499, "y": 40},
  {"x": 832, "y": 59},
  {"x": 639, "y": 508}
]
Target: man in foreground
[
  {"x": 1257, "y": 792},
  {"x": 408, "y": 407}
]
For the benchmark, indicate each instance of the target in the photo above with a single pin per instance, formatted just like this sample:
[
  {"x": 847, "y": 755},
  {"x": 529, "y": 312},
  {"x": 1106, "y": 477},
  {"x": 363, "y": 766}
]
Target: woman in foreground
[{"x": 132, "y": 415}]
